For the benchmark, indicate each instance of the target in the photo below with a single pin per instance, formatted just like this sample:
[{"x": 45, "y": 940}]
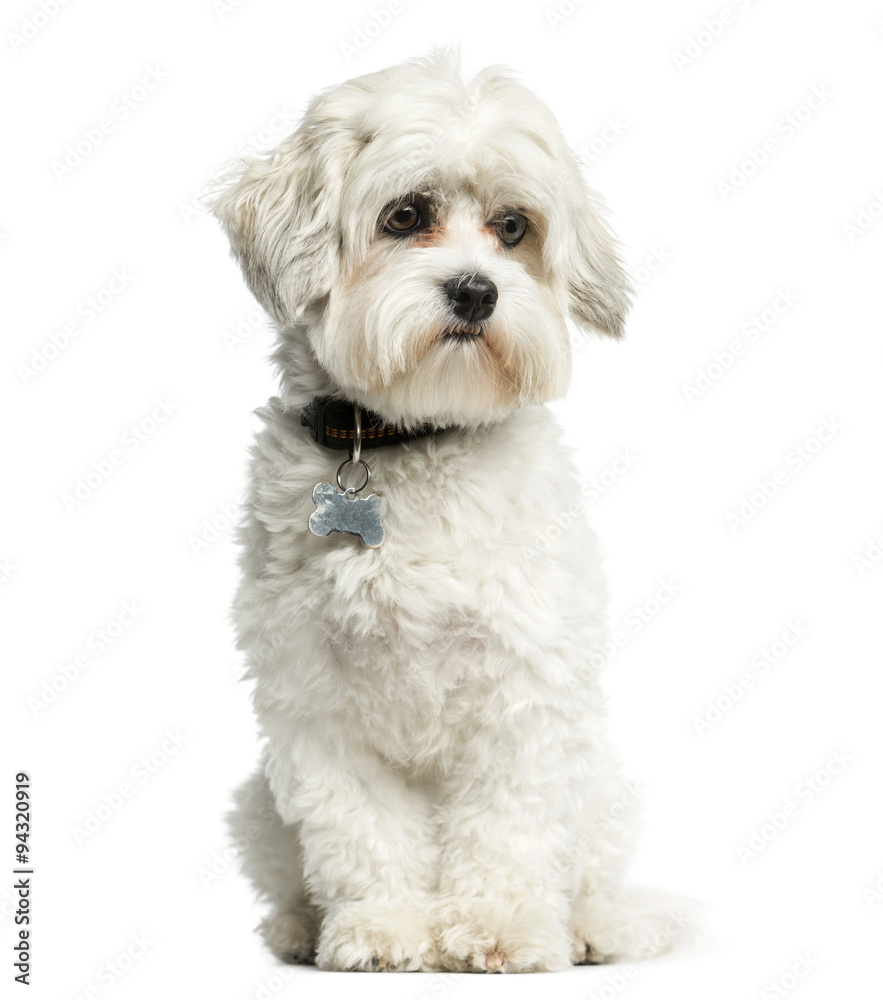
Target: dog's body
[{"x": 438, "y": 791}]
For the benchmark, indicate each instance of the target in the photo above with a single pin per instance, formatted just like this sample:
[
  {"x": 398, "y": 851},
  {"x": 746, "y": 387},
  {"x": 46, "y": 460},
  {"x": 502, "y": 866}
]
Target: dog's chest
[
  {"x": 418, "y": 637},
  {"x": 419, "y": 628},
  {"x": 411, "y": 636}
]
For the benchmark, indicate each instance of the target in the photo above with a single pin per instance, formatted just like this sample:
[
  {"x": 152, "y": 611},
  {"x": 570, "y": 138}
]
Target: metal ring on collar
[
  {"x": 354, "y": 489},
  {"x": 356, "y": 456}
]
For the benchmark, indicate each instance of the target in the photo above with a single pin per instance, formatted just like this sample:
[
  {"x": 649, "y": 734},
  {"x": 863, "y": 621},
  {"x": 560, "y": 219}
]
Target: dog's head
[{"x": 428, "y": 237}]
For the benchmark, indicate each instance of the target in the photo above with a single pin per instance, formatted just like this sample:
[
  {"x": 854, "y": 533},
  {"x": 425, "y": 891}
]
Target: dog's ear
[
  {"x": 280, "y": 216},
  {"x": 598, "y": 287}
]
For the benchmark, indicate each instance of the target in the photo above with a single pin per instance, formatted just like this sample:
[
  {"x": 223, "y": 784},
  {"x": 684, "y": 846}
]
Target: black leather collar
[{"x": 332, "y": 423}]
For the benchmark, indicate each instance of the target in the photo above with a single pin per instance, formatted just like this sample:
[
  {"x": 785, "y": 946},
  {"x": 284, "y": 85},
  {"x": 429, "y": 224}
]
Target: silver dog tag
[{"x": 347, "y": 513}]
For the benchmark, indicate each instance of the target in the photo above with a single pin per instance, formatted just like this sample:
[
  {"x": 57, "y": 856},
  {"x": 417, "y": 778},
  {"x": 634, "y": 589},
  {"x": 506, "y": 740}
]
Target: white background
[{"x": 663, "y": 121}]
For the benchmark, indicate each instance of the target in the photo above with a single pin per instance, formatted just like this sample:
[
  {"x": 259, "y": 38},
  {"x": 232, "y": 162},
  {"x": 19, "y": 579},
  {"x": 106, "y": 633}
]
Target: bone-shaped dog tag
[{"x": 347, "y": 513}]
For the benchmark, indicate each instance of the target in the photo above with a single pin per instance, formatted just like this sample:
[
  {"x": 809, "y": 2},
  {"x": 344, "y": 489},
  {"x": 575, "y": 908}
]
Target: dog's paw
[
  {"x": 635, "y": 925},
  {"x": 291, "y": 937},
  {"x": 583, "y": 952},
  {"x": 376, "y": 937},
  {"x": 500, "y": 936}
]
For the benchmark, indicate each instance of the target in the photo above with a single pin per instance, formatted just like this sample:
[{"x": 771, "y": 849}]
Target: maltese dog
[{"x": 437, "y": 790}]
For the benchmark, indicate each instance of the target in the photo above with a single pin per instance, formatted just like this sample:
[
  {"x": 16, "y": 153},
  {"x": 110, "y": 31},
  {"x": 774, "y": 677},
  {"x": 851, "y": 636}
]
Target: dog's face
[{"x": 431, "y": 237}]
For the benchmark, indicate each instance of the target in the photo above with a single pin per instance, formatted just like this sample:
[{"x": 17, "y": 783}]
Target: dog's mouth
[{"x": 462, "y": 335}]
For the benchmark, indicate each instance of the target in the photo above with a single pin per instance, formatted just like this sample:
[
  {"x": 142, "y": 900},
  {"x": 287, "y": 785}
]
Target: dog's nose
[{"x": 472, "y": 297}]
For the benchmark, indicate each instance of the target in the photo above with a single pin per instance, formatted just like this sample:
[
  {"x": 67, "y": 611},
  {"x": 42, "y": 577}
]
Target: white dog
[{"x": 438, "y": 791}]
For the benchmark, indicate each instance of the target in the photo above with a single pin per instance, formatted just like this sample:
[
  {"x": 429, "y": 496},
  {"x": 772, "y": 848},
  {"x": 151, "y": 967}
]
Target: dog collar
[{"x": 332, "y": 424}]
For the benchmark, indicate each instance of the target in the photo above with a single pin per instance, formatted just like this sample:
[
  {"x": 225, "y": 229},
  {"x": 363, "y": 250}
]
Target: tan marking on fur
[
  {"x": 420, "y": 348},
  {"x": 528, "y": 250},
  {"x": 431, "y": 237},
  {"x": 500, "y": 348}
]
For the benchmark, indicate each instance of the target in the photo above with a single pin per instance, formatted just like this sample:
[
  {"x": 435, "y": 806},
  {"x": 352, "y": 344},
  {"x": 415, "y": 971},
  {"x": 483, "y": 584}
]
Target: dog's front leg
[
  {"x": 508, "y": 863},
  {"x": 369, "y": 853}
]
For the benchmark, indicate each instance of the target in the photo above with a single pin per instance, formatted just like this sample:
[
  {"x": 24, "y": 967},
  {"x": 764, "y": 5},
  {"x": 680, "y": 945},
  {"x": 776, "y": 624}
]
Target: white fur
[{"x": 437, "y": 791}]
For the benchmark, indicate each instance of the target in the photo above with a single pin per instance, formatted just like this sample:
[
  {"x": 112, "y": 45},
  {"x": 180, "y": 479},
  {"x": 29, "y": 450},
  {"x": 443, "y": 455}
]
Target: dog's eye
[
  {"x": 511, "y": 228},
  {"x": 403, "y": 219}
]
